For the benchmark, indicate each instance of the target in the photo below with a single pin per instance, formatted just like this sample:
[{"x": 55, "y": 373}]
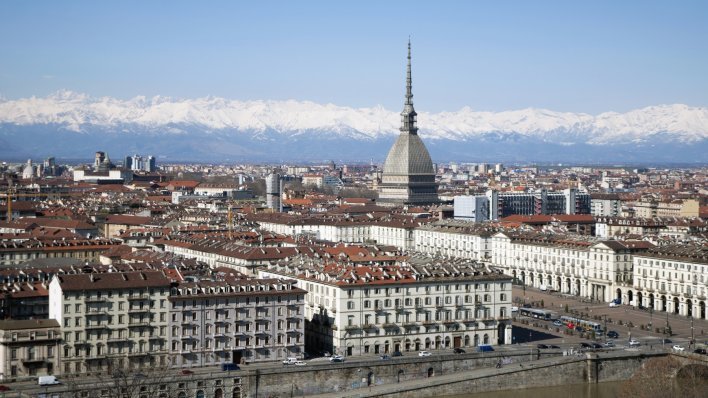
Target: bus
[
  {"x": 546, "y": 315},
  {"x": 572, "y": 322}
]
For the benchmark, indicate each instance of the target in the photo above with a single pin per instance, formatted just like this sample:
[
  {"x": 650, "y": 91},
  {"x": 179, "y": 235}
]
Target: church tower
[{"x": 408, "y": 173}]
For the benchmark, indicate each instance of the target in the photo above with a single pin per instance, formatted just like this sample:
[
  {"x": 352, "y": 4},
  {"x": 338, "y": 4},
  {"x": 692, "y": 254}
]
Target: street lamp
[
  {"x": 692, "y": 337},
  {"x": 651, "y": 317}
]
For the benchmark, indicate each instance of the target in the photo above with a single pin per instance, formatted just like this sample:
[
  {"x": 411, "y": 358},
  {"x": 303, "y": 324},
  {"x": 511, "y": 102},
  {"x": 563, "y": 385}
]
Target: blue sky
[{"x": 496, "y": 55}]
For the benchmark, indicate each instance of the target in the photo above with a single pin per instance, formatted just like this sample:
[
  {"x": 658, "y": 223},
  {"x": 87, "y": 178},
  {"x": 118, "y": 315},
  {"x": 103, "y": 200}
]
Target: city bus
[{"x": 546, "y": 315}]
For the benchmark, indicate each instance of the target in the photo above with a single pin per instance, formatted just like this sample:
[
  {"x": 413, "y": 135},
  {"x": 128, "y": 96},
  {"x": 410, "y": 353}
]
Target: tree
[
  {"x": 119, "y": 381},
  {"x": 666, "y": 377}
]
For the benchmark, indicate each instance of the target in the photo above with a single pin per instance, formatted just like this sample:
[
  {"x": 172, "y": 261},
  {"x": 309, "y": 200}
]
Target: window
[{"x": 350, "y": 305}]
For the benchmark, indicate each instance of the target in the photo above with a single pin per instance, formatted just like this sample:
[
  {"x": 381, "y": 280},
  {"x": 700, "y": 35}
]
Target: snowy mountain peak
[{"x": 296, "y": 121}]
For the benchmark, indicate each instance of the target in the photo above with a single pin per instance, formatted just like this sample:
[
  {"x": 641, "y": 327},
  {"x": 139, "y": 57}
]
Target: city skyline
[{"x": 567, "y": 58}]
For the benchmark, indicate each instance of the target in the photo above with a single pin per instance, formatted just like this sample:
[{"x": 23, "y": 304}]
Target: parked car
[
  {"x": 424, "y": 354},
  {"x": 514, "y": 308},
  {"x": 542, "y": 346},
  {"x": 300, "y": 363},
  {"x": 677, "y": 347},
  {"x": 609, "y": 344},
  {"x": 634, "y": 343},
  {"x": 485, "y": 348},
  {"x": 336, "y": 358},
  {"x": 187, "y": 372},
  {"x": 701, "y": 351},
  {"x": 4, "y": 388},
  {"x": 666, "y": 341},
  {"x": 458, "y": 350},
  {"x": 612, "y": 334},
  {"x": 596, "y": 346},
  {"x": 557, "y": 322},
  {"x": 553, "y": 346},
  {"x": 585, "y": 345},
  {"x": 613, "y": 304},
  {"x": 384, "y": 357},
  {"x": 397, "y": 354}
]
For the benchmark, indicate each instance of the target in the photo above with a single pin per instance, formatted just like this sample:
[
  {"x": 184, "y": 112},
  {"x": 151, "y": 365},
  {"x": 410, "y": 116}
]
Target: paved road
[{"x": 680, "y": 325}]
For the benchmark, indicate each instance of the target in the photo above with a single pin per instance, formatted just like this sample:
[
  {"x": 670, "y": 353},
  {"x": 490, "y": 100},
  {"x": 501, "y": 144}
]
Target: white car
[
  {"x": 336, "y": 358},
  {"x": 300, "y": 363},
  {"x": 424, "y": 354},
  {"x": 678, "y": 348},
  {"x": 613, "y": 304},
  {"x": 634, "y": 343}
]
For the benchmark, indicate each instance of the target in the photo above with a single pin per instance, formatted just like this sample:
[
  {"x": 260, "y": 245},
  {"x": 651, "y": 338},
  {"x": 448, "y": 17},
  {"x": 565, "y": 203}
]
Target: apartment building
[
  {"x": 422, "y": 304},
  {"x": 28, "y": 348},
  {"x": 672, "y": 278},
  {"x": 89, "y": 250},
  {"x": 236, "y": 321},
  {"x": 454, "y": 239},
  {"x": 111, "y": 319},
  {"x": 570, "y": 264}
]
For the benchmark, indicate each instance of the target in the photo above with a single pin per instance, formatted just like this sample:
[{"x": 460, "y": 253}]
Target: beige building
[
  {"x": 236, "y": 321},
  {"x": 360, "y": 310},
  {"x": 28, "y": 348},
  {"x": 111, "y": 319}
]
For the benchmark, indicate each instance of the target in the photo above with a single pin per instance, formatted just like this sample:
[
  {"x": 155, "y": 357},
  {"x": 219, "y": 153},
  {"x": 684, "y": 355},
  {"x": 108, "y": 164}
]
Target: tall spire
[
  {"x": 409, "y": 80},
  {"x": 408, "y": 116}
]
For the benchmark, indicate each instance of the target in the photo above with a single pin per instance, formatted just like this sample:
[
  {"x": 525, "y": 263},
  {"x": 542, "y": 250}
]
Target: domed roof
[{"x": 408, "y": 155}]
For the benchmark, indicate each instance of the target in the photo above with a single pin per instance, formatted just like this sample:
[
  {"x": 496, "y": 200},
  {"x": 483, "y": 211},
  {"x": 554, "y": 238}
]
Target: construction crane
[{"x": 12, "y": 193}]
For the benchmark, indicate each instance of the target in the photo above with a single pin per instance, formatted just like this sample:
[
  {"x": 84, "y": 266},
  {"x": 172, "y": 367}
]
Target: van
[
  {"x": 485, "y": 348},
  {"x": 290, "y": 361},
  {"x": 47, "y": 380},
  {"x": 228, "y": 366}
]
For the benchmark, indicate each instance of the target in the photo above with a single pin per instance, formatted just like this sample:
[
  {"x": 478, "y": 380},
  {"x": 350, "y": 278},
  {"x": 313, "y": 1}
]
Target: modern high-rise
[{"x": 408, "y": 173}]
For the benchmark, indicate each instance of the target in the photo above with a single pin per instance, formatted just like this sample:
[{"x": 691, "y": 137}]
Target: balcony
[
  {"x": 450, "y": 322},
  {"x": 138, "y": 324},
  {"x": 117, "y": 339},
  {"x": 379, "y": 308},
  {"x": 185, "y": 351},
  {"x": 221, "y": 349},
  {"x": 368, "y": 326},
  {"x": 96, "y": 327},
  {"x": 136, "y": 354},
  {"x": 293, "y": 331},
  {"x": 390, "y": 326},
  {"x": 400, "y": 308},
  {"x": 143, "y": 296},
  {"x": 138, "y": 310},
  {"x": 33, "y": 361},
  {"x": 94, "y": 312},
  {"x": 352, "y": 327},
  {"x": 430, "y": 323},
  {"x": 95, "y": 299}
]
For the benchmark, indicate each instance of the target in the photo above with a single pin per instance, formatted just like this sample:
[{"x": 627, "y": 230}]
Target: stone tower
[{"x": 408, "y": 174}]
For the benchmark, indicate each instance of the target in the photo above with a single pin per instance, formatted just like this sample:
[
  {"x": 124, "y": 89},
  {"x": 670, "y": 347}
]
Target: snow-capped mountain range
[{"x": 66, "y": 124}]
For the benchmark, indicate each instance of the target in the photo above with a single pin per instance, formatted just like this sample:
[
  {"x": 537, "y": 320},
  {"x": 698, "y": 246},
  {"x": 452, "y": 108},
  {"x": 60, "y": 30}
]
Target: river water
[{"x": 599, "y": 390}]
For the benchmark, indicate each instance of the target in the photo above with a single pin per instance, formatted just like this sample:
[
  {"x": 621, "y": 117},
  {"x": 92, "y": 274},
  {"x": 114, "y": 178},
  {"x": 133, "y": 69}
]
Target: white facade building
[
  {"x": 569, "y": 264},
  {"x": 671, "y": 279},
  {"x": 382, "y": 309}
]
